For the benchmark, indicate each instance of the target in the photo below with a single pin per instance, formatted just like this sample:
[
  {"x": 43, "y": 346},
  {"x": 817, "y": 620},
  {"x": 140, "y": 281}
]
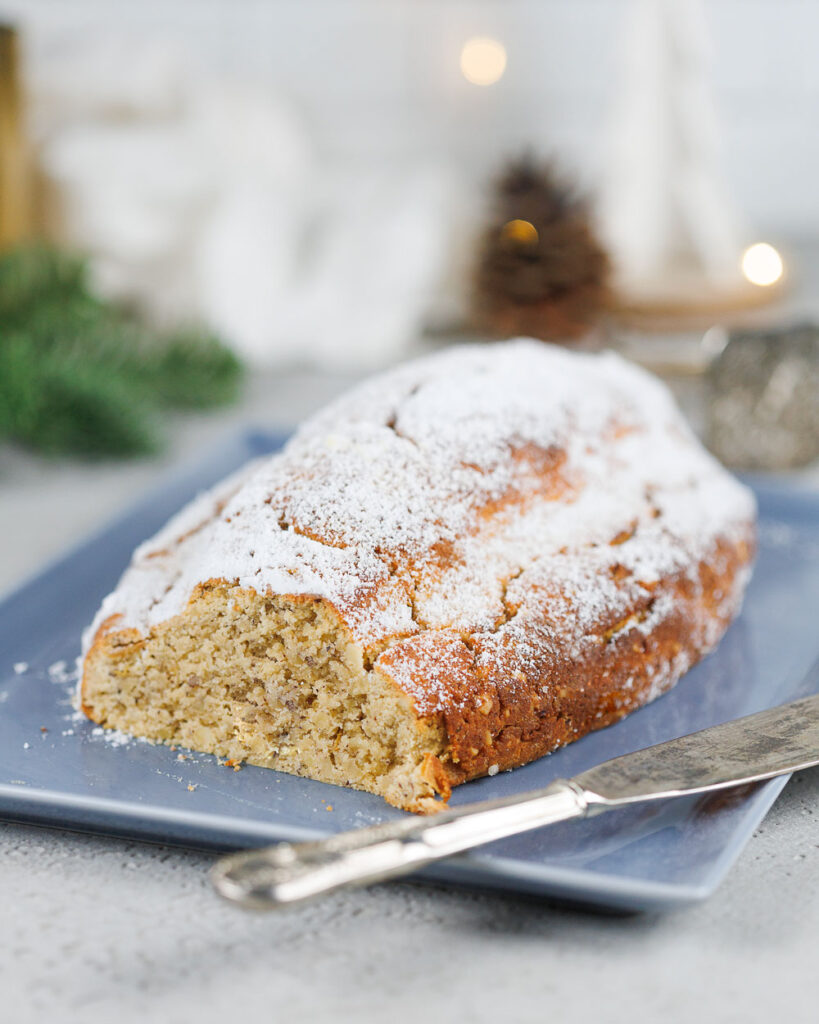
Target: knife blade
[{"x": 778, "y": 741}]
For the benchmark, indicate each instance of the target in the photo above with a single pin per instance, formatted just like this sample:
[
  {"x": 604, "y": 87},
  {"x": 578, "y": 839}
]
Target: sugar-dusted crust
[{"x": 523, "y": 543}]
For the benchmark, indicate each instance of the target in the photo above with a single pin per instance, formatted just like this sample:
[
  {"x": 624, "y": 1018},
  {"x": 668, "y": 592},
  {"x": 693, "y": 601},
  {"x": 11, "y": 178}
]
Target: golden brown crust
[{"x": 498, "y": 716}]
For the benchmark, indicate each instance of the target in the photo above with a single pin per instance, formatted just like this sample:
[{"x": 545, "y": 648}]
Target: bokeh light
[
  {"x": 483, "y": 60},
  {"x": 520, "y": 231},
  {"x": 762, "y": 264}
]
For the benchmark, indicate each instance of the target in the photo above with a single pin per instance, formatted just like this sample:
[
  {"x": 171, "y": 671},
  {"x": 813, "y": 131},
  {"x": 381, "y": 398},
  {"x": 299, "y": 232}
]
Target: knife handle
[{"x": 288, "y": 873}]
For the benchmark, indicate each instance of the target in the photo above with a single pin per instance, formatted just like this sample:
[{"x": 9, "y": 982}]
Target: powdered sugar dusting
[
  {"x": 440, "y": 495},
  {"x": 114, "y": 737},
  {"x": 59, "y": 672}
]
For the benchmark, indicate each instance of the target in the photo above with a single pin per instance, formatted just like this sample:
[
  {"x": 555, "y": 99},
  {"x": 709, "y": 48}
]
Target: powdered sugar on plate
[{"x": 114, "y": 737}]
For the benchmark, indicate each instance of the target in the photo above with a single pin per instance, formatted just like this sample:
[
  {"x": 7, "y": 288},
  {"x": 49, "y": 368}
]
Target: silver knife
[{"x": 774, "y": 742}]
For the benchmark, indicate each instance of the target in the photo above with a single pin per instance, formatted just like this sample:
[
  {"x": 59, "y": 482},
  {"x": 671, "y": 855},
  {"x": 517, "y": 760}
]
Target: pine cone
[{"x": 541, "y": 269}]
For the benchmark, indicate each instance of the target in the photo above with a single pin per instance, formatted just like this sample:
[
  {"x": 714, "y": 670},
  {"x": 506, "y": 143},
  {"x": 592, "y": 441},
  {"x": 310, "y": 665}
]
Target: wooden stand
[
  {"x": 691, "y": 305},
  {"x": 15, "y": 179}
]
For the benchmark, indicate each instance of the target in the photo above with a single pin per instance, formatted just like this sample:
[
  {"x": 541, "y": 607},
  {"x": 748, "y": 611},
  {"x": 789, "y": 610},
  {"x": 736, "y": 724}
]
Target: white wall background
[{"x": 378, "y": 80}]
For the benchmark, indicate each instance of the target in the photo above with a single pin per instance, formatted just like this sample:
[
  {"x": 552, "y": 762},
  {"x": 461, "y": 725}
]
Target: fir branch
[
  {"x": 78, "y": 375},
  {"x": 59, "y": 405},
  {"x": 188, "y": 369}
]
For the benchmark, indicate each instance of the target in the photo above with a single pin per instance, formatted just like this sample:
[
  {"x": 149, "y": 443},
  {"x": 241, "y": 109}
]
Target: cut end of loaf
[{"x": 274, "y": 681}]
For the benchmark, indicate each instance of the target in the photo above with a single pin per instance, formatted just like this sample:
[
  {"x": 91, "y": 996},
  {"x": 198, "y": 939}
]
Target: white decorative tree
[{"x": 664, "y": 212}]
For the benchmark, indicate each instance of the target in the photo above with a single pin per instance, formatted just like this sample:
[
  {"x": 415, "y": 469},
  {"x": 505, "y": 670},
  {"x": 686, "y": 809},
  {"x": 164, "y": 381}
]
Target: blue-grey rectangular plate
[{"x": 58, "y": 769}]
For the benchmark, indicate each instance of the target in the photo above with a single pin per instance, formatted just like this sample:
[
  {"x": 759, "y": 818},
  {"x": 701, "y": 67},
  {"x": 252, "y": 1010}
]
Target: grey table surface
[{"x": 102, "y": 929}]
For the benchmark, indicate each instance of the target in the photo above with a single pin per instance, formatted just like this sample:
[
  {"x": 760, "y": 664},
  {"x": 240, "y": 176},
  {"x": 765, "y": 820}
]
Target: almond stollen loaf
[{"x": 457, "y": 567}]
